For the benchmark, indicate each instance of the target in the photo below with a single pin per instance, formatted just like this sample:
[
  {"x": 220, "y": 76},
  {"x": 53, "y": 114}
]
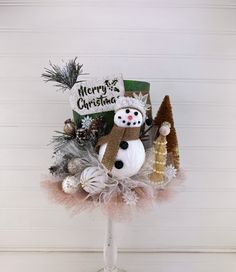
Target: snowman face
[{"x": 128, "y": 117}]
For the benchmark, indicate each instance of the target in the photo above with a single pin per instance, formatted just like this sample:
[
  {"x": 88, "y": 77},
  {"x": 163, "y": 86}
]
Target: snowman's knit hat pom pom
[{"x": 137, "y": 102}]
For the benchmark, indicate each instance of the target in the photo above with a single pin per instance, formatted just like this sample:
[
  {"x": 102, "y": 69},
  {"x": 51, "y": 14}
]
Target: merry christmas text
[
  {"x": 95, "y": 102},
  {"x": 97, "y": 95},
  {"x": 84, "y": 91}
]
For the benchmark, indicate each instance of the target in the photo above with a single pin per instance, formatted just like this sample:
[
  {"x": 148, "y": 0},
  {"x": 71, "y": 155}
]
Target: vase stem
[{"x": 110, "y": 249}]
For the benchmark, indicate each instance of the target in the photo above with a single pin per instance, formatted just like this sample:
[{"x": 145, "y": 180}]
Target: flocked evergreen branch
[
  {"x": 65, "y": 76},
  {"x": 61, "y": 140}
]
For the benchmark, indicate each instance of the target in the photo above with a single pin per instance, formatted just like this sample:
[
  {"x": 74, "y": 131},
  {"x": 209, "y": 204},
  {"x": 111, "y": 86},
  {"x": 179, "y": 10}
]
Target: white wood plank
[
  {"x": 131, "y": 67},
  {"x": 210, "y": 180},
  {"x": 102, "y": 16},
  {"x": 118, "y": 44},
  {"x": 162, "y": 219},
  {"x": 158, "y": 3},
  {"x": 34, "y": 113},
  {"x": 128, "y": 239},
  {"x": 29, "y": 90},
  {"x": 133, "y": 262},
  {"x": 205, "y": 159},
  {"x": 173, "y": 3},
  {"x": 206, "y": 137},
  {"x": 38, "y": 158}
]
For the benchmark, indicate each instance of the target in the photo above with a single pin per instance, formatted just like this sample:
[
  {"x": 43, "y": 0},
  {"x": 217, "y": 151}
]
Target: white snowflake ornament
[
  {"x": 170, "y": 172},
  {"x": 143, "y": 99},
  {"x": 86, "y": 122},
  {"x": 130, "y": 198}
]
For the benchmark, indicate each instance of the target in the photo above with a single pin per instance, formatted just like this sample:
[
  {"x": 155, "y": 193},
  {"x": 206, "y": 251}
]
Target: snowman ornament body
[{"x": 130, "y": 157}]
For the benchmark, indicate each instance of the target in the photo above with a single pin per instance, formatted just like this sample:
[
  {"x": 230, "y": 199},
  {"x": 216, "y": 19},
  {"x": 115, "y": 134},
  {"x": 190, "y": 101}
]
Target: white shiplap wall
[{"x": 186, "y": 49}]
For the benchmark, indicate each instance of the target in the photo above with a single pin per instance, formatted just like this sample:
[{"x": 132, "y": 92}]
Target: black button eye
[
  {"x": 139, "y": 122},
  {"x": 119, "y": 117},
  {"x": 136, "y": 113},
  {"x": 127, "y": 111},
  {"x": 123, "y": 121}
]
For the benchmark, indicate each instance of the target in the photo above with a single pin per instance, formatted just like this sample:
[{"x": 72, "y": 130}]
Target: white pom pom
[
  {"x": 164, "y": 130},
  {"x": 70, "y": 184},
  {"x": 93, "y": 180}
]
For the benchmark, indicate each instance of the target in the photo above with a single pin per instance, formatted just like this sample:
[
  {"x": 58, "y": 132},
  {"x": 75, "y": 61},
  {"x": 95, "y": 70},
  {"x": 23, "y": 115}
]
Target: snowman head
[
  {"x": 130, "y": 111},
  {"x": 128, "y": 117}
]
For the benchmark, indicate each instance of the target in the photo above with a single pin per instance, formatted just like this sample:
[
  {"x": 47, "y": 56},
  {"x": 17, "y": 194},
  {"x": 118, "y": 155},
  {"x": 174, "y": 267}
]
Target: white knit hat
[{"x": 137, "y": 102}]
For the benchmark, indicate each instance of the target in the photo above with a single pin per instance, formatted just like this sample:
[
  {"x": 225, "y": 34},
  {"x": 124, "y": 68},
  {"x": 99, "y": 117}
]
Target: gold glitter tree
[{"x": 160, "y": 147}]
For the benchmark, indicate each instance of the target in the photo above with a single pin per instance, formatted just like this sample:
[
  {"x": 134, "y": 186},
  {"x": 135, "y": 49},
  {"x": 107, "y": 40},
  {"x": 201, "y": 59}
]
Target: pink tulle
[
  {"x": 118, "y": 210},
  {"x": 76, "y": 202},
  {"x": 114, "y": 207},
  {"x": 171, "y": 189}
]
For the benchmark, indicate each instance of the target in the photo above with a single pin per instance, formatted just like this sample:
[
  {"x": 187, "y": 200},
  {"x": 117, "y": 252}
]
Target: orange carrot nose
[{"x": 130, "y": 117}]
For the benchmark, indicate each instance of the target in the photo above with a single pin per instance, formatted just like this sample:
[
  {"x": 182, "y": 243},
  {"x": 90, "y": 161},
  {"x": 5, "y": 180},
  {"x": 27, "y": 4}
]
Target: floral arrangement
[{"x": 112, "y": 155}]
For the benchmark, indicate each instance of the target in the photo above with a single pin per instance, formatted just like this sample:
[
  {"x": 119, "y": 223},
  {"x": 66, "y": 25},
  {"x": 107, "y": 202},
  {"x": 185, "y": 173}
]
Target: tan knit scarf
[{"x": 113, "y": 140}]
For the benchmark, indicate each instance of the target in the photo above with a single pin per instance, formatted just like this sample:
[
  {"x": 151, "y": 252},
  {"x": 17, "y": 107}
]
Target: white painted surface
[
  {"x": 139, "y": 262},
  {"x": 186, "y": 49}
]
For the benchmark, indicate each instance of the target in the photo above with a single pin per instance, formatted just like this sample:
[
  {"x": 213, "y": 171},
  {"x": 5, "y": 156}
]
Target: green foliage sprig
[{"x": 65, "y": 76}]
